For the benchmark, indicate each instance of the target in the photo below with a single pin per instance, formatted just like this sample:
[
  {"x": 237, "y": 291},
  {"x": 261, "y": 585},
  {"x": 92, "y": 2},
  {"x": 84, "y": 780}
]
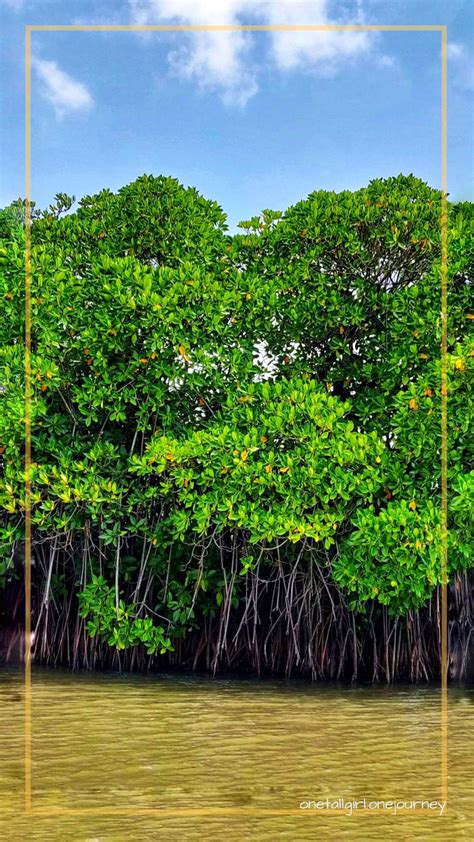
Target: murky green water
[{"x": 229, "y": 759}]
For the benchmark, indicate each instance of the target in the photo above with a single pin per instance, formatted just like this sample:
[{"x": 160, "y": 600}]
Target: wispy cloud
[
  {"x": 16, "y": 5},
  {"x": 462, "y": 65},
  {"x": 226, "y": 62},
  {"x": 324, "y": 52},
  {"x": 216, "y": 61},
  {"x": 65, "y": 94}
]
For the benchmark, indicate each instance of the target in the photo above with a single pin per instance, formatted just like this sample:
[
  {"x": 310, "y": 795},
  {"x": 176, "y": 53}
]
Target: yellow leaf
[
  {"x": 244, "y": 455},
  {"x": 412, "y": 505}
]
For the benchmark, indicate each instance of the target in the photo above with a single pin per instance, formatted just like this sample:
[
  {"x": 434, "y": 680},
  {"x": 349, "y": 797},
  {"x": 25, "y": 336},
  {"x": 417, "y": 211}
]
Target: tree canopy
[{"x": 209, "y": 409}]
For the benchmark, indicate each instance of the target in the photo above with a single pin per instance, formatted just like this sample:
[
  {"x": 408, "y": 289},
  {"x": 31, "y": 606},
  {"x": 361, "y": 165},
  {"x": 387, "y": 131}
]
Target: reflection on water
[{"x": 228, "y": 759}]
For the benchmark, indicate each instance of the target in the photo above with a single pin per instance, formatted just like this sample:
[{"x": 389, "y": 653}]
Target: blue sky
[{"x": 252, "y": 120}]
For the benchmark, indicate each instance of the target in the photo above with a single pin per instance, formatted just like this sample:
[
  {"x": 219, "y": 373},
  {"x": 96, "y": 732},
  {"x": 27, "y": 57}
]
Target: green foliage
[
  {"x": 278, "y": 461},
  {"x": 392, "y": 555},
  {"x": 117, "y": 621},
  {"x": 203, "y": 405},
  {"x": 155, "y": 220}
]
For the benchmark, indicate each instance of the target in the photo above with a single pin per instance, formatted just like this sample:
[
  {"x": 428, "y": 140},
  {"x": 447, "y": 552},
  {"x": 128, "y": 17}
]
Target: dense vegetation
[{"x": 236, "y": 439}]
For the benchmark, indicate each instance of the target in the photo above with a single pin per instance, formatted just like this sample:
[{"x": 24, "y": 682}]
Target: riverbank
[{"x": 315, "y": 636}]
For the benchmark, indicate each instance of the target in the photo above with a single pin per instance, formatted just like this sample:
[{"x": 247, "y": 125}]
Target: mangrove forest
[{"x": 236, "y": 438}]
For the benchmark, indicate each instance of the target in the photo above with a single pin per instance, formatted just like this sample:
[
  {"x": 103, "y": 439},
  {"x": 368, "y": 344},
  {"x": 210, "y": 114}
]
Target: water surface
[{"x": 229, "y": 759}]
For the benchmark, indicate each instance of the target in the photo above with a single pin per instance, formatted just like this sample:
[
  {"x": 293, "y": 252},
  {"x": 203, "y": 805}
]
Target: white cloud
[
  {"x": 61, "y": 90},
  {"x": 16, "y": 5},
  {"x": 214, "y": 60},
  {"x": 456, "y": 51},
  {"x": 386, "y": 61},
  {"x": 322, "y": 51},
  {"x": 462, "y": 64},
  {"x": 223, "y": 61}
]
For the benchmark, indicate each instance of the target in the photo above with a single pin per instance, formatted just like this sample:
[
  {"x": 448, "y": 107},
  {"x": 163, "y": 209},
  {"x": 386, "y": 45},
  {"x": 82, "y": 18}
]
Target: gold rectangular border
[{"x": 443, "y": 30}]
